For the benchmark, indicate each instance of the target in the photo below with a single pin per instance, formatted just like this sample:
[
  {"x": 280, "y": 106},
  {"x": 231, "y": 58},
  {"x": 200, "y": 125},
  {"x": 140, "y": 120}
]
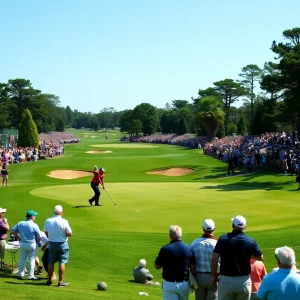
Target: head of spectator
[
  {"x": 58, "y": 210},
  {"x": 2, "y": 211},
  {"x": 175, "y": 232},
  {"x": 31, "y": 214},
  {"x": 285, "y": 256},
  {"x": 142, "y": 263},
  {"x": 238, "y": 223},
  {"x": 208, "y": 226}
]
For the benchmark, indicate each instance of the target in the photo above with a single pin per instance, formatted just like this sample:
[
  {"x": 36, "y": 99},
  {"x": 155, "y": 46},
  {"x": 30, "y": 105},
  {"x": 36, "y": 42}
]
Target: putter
[{"x": 110, "y": 197}]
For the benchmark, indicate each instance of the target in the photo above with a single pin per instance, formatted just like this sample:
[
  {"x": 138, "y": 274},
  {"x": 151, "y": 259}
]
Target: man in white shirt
[
  {"x": 202, "y": 249},
  {"x": 58, "y": 230}
]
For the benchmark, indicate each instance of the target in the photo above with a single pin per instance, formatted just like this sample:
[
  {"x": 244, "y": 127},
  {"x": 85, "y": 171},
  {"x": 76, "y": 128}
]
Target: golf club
[{"x": 110, "y": 197}]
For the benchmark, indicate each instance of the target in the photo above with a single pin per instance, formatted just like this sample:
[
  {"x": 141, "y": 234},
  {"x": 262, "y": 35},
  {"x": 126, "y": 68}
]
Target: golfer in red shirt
[{"x": 97, "y": 179}]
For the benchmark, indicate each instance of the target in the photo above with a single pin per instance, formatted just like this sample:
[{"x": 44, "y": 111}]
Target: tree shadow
[{"x": 244, "y": 185}]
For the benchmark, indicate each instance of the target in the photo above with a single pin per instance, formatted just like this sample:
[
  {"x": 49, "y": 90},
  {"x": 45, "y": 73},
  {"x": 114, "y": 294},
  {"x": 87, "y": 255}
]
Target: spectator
[
  {"x": 258, "y": 272},
  {"x": 285, "y": 283},
  {"x": 235, "y": 250},
  {"x": 4, "y": 227},
  {"x": 58, "y": 231},
  {"x": 141, "y": 274},
  {"x": 176, "y": 258},
  {"x": 202, "y": 249},
  {"x": 30, "y": 235}
]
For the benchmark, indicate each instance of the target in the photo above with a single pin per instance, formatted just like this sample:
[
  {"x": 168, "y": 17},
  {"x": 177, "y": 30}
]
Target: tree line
[{"x": 270, "y": 95}]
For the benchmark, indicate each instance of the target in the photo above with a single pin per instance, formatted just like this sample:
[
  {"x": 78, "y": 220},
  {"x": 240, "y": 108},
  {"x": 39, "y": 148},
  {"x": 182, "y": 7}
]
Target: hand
[
  {"x": 215, "y": 281},
  {"x": 103, "y": 187},
  {"x": 5, "y": 220}
]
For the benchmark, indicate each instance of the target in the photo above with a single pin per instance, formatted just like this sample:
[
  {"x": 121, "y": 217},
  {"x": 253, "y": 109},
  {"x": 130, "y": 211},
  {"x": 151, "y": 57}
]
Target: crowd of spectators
[
  {"x": 50, "y": 145},
  {"x": 276, "y": 151},
  {"x": 185, "y": 140}
]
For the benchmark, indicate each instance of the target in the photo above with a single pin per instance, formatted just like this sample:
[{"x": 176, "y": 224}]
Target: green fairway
[
  {"x": 125, "y": 145},
  {"x": 108, "y": 241}
]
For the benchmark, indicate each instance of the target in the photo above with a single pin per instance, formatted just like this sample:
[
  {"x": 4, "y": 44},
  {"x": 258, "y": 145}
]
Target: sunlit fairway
[
  {"x": 108, "y": 241},
  {"x": 125, "y": 145}
]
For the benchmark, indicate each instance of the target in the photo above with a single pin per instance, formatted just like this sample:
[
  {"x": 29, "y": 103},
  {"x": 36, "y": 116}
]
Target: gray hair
[
  {"x": 175, "y": 232},
  {"x": 286, "y": 256},
  {"x": 142, "y": 263},
  {"x": 57, "y": 209}
]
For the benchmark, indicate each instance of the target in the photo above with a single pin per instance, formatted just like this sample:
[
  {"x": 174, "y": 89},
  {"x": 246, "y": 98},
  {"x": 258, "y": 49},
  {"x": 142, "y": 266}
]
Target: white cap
[
  {"x": 142, "y": 263},
  {"x": 239, "y": 221},
  {"x": 2, "y": 210},
  {"x": 208, "y": 225},
  {"x": 57, "y": 209}
]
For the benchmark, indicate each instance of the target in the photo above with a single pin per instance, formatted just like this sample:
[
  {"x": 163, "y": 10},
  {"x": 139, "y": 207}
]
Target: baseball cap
[
  {"x": 208, "y": 225},
  {"x": 239, "y": 221},
  {"x": 2, "y": 210},
  {"x": 31, "y": 213},
  {"x": 103, "y": 170}
]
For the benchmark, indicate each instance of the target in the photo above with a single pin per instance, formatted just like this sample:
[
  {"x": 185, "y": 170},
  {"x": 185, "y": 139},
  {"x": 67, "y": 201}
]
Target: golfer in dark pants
[{"x": 97, "y": 179}]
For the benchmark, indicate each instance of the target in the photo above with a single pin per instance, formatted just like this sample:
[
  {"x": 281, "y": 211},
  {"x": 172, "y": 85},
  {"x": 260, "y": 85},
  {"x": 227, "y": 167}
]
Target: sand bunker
[
  {"x": 68, "y": 174},
  {"x": 98, "y": 152},
  {"x": 173, "y": 172}
]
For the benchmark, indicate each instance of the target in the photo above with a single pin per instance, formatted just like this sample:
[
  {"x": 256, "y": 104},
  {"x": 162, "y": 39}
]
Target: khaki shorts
[{"x": 2, "y": 248}]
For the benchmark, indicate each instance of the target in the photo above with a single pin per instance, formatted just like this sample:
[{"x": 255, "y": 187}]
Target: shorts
[
  {"x": 58, "y": 252},
  {"x": 2, "y": 248}
]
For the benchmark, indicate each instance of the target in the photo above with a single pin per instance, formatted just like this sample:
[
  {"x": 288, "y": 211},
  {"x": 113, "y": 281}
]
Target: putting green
[
  {"x": 125, "y": 145},
  {"x": 161, "y": 204}
]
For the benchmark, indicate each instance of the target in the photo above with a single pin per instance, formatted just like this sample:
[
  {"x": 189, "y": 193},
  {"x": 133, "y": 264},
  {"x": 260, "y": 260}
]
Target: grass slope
[{"x": 108, "y": 241}]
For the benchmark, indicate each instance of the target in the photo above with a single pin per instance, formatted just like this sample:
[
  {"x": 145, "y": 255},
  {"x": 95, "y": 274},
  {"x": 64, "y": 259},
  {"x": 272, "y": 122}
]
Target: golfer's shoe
[
  {"x": 98, "y": 204},
  {"x": 91, "y": 203},
  {"x": 63, "y": 284},
  {"x": 20, "y": 277},
  {"x": 33, "y": 278},
  {"x": 48, "y": 282}
]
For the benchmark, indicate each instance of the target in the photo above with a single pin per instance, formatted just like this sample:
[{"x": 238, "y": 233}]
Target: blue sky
[{"x": 119, "y": 53}]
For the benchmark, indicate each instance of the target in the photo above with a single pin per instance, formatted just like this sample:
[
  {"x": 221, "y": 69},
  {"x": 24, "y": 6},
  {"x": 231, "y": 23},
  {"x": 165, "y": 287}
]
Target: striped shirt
[{"x": 202, "y": 249}]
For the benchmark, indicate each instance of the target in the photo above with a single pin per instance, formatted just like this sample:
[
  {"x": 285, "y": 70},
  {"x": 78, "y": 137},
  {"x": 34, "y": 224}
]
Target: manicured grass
[{"x": 108, "y": 241}]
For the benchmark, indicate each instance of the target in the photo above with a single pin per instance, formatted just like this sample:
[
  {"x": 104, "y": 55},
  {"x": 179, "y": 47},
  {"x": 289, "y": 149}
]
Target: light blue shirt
[
  {"x": 281, "y": 285},
  {"x": 29, "y": 231}
]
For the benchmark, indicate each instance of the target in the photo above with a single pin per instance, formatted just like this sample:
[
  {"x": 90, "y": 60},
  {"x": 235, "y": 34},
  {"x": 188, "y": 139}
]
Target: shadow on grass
[
  {"x": 81, "y": 206},
  {"x": 244, "y": 185}
]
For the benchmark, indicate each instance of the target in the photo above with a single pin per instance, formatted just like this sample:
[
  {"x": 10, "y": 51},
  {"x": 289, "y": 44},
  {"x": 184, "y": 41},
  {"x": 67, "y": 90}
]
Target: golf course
[{"x": 108, "y": 241}]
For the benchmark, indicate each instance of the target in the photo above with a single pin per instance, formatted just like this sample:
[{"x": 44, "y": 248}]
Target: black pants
[
  {"x": 230, "y": 168},
  {"x": 45, "y": 259},
  {"x": 97, "y": 192}
]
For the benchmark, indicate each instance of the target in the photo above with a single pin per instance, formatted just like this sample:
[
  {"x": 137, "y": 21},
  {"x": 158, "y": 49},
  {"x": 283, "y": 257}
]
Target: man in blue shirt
[
  {"x": 29, "y": 234},
  {"x": 176, "y": 258},
  {"x": 284, "y": 283},
  {"x": 235, "y": 250}
]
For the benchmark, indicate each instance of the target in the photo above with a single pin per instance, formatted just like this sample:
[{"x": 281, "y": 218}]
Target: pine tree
[
  {"x": 28, "y": 134},
  {"x": 182, "y": 126},
  {"x": 241, "y": 127}
]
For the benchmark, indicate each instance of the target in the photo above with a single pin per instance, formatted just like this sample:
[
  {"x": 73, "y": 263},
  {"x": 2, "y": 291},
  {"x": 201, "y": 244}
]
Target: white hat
[
  {"x": 208, "y": 225},
  {"x": 142, "y": 263},
  {"x": 239, "y": 221},
  {"x": 2, "y": 210}
]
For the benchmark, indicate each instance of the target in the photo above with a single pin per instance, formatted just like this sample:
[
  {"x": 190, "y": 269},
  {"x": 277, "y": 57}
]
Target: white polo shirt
[{"x": 57, "y": 229}]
